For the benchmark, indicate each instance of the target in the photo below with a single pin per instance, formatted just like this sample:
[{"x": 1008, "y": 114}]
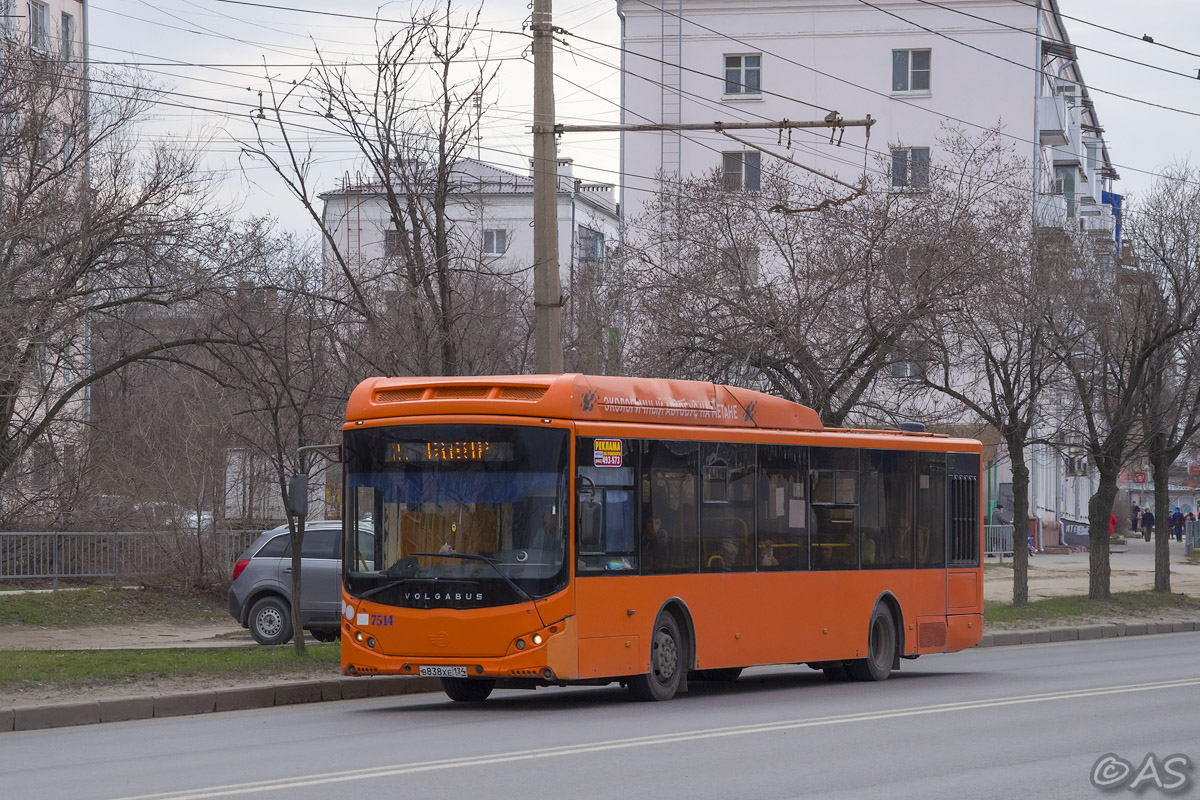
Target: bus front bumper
[{"x": 550, "y": 654}]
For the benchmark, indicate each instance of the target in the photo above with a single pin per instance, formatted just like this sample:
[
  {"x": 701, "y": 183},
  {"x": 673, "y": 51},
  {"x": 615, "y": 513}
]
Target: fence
[
  {"x": 998, "y": 540},
  {"x": 43, "y": 555}
]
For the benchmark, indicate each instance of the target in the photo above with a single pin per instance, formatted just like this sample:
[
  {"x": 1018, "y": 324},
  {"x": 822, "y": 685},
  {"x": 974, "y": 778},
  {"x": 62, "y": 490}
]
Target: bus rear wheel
[
  {"x": 881, "y": 648},
  {"x": 468, "y": 690},
  {"x": 666, "y": 663}
]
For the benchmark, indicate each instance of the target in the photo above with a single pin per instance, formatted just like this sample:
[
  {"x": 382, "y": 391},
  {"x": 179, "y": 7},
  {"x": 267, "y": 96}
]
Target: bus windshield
[{"x": 456, "y": 516}]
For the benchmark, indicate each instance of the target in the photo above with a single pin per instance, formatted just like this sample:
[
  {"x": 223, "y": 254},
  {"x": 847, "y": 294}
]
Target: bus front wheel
[
  {"x": 468, "y": 690},
  {"x": 666, "y": 663},
  {"x": 881, "y": 648}
]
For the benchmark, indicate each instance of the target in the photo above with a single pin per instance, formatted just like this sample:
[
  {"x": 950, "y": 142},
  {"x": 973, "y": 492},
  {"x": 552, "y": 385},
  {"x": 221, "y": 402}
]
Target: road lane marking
[{"x": 370, "y": 773}]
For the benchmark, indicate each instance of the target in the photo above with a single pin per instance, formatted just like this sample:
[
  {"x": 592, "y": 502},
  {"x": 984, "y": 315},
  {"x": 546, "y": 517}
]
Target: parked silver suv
[{"x": 261, "y": 594}]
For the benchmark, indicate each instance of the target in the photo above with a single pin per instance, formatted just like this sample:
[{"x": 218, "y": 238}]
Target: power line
[
  {"x": 838, "y": 79},
  {"x": 1086, "y": 87},
  {"x": 343, "y": 15},
  {"x": 1062, "y": 42},
  {"x": 1143, "y": 38},
  {"x": 354, "y": 16}
]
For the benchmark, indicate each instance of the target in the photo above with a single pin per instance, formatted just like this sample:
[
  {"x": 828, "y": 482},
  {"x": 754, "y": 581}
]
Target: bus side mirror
[{"x": 297, "y": 496}]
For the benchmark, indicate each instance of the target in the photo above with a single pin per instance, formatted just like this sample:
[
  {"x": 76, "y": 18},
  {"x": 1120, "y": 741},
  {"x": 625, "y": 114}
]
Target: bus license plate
[{"x": 444, "y": 672}]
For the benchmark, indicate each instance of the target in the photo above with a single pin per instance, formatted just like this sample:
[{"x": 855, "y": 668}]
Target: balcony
[
  {"x": 1101, "y": 225},
  {"x": 1050, "y": 210},
  {"x": 1052, "y": 120},
  {"x": 1070, "y": 154}
]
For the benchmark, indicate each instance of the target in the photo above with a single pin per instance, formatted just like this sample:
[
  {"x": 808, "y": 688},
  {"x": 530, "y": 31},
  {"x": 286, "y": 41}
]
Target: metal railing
[
  {"x": 998, "y": 540},
  {"x": 117, "y": 555}
]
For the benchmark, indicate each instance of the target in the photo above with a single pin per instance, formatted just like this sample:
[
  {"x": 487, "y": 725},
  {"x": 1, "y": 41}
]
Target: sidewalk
[{"x": 1056, "y": 575}]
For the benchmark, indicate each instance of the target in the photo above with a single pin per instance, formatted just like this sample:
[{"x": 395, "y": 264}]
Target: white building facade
[
  {"x": 56, "y": 29},
  {"x": 981, "y": 64},
  {"x": 913, "y": 67},
  {"x": 492, "y": 210}
]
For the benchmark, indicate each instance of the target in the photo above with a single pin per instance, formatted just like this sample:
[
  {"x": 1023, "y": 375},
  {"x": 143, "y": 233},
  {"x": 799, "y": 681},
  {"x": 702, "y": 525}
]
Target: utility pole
[{"x": 547, "y": 291}]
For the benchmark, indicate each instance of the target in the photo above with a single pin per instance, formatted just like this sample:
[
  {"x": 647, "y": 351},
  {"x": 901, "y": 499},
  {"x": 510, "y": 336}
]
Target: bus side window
[
  {"x": 885, "y": 506},
  {"x": 727, "y": 507},
  {"x": 782, "y": 516},
  {"x": 669, "y": 541},
  {"x": 604, "y": 483},
  {"x": 931, "y": 510},
  {"x": 835, "y": 508}
]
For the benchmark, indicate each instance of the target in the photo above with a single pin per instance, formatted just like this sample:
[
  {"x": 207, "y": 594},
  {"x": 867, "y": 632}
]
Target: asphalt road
[{"x": 1025, "y": 722}]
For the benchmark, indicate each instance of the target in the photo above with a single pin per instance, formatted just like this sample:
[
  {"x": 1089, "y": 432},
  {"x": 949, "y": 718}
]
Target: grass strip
[
  {"x": 74, "y": 668},
  {"x": 105, "y": 605},
  {"x": 1079, "y": 609}
]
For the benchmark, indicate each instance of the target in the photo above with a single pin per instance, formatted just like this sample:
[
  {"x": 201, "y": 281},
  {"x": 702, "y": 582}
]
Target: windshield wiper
[
  {"x": 402, "y": 581},
  {"x": 493, "y": 563}
]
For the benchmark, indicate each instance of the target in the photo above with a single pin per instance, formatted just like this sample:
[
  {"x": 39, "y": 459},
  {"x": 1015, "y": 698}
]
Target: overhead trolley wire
[{"x": 846, "y": 81}]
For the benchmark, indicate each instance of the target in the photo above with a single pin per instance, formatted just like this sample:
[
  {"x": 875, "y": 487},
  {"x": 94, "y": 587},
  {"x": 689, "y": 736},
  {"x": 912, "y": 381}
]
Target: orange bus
[{"x": 539, "y": 530}]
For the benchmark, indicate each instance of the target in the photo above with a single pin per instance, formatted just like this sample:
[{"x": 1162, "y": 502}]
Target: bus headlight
[
  {"x": 536, "y": 639},
  {"x": 520, "y": 644},
  {"x": 358, "y": 636}
]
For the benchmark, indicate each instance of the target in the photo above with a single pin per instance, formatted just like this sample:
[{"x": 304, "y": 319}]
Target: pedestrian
[
  {"x": 1177, "y": 524},
  {"x": 1136, "y": 518},
  {"x": 1112, "y": 525},
  {"x": 1147, "y": 524},
  {"x": 999, "y": 517}
]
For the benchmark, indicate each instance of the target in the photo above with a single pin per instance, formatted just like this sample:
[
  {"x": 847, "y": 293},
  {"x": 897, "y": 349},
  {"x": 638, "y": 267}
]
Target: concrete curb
[
  {"x": 1104, "y": 630},
  {"x": 242, "y": 698},
  {"x": 30, "y": 718}
]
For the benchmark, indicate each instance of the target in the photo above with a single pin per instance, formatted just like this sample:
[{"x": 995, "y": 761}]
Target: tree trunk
[
  {"x": 297, "y": 550},
  {"x": 1020, "y": 483},
  {"x": 1099, "y": 510},
  {"x": 1162, "y": 521}
]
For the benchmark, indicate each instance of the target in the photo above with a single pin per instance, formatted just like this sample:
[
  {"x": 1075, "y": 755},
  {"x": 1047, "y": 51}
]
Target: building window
[
  {"x": 911, "y": 370},
  {"x": 39, "y": 25},
  {"x": 743, "y": 74},
  {"x": 590, "y": 244},
  {"x": 741, "y": 263},
  {"x": 741, "y": 170},
  {"x": 68, "y": 38},
  {"x": 910, "y": 70},
  {"x": 494, "y": 242},
  {"x": 391, "y": 243},
  {"x": 910, "y": 167},
  {"x": 910, "y": 360},
  {"x": 1065, "y": 185}
]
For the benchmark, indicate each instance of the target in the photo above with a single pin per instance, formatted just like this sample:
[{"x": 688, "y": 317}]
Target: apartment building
[
  {"x": 913, "y": 67},
  {"x": 56, "y": 29},
  {"x": 492, "y": 212}
]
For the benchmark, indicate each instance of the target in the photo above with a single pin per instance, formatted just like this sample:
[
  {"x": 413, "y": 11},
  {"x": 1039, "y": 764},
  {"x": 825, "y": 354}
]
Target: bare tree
[
  {"x": 94, "y": 236},
  {"x": 274, "y": 354},
  {"x": 160, "y": 431},
  {"x": 1111, "y": 329},
  {"x": 441, "y": 307},
  {"x": 991, "y": 352},
  {"x": 810, "y": 306},
  {"x": 1165, "y": 233}
]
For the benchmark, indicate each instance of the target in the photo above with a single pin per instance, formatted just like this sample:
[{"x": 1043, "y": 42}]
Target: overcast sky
[{"x": 214, "y": 112}]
